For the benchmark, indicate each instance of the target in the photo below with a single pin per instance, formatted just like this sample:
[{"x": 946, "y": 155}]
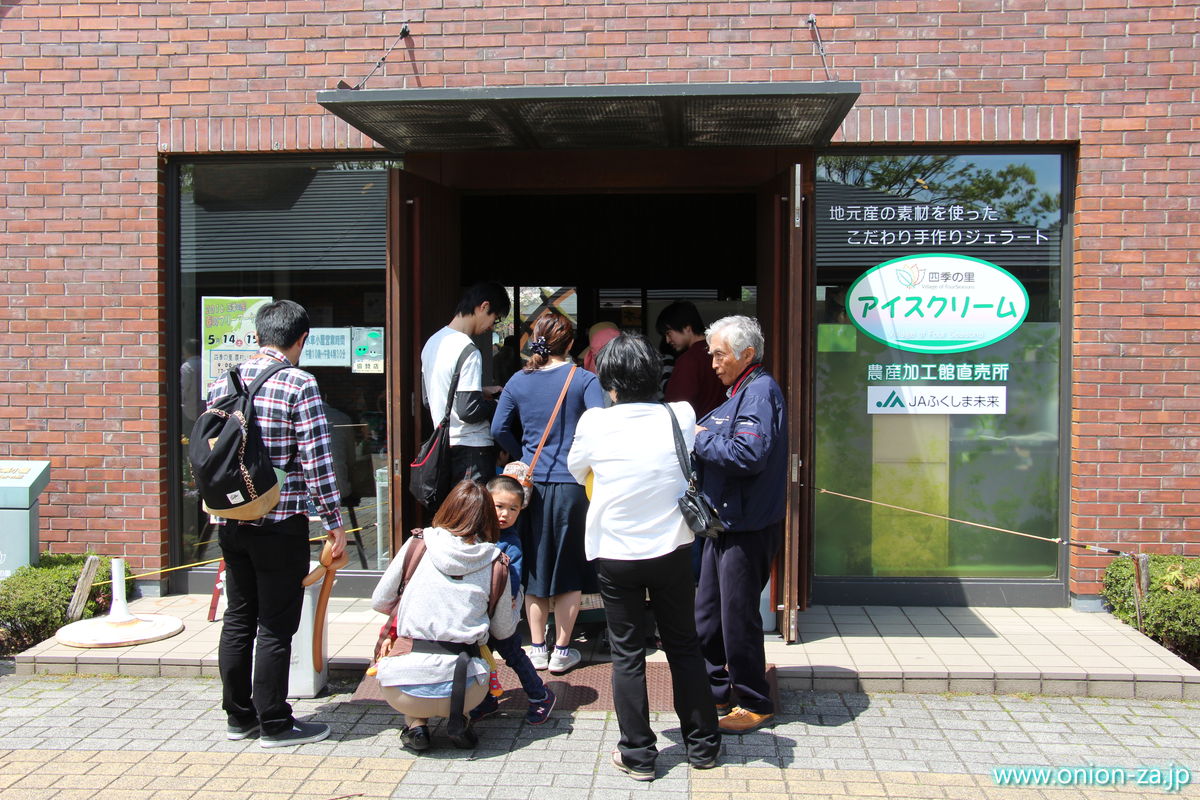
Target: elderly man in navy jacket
[{"x": 741, "y": 451}]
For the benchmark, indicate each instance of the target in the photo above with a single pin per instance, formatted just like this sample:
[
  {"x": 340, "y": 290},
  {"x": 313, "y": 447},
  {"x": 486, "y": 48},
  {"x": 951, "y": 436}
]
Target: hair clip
[{"x": 539, "y": 347}]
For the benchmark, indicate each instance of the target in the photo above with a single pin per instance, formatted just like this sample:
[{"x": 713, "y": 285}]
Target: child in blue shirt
[{"x": 508, "y": 497}]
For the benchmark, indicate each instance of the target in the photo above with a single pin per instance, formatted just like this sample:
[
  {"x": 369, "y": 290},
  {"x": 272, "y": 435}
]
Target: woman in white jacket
[
  {"x": 640, "y": 545},
  {"x": 444, "y": 610}
]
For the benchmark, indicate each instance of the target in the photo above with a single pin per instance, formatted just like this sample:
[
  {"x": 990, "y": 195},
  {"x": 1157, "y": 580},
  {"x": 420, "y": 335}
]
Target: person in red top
[{"x": 693, "y": 379}]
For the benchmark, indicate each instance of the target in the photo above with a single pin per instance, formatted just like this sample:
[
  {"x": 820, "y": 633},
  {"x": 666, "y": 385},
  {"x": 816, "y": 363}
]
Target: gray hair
[{"x": 739, "y": 332}]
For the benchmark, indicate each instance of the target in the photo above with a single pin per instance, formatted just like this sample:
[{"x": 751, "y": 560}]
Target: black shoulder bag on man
[
  {"x": 698, "y": 513},
  {"x": 429, "y": 472}
]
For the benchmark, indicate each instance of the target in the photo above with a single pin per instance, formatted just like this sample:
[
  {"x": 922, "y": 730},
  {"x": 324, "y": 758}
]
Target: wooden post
[
  {"x": 218, "y": 585},
  {"x": 83, "y": 588}
]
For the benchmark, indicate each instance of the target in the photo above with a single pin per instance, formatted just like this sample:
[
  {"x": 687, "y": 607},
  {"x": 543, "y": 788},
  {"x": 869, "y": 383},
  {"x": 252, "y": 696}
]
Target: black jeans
[
  {"x": 668, "y": 579},
  {"x": 476, "y": 463},
  {"x": 734, "y": 569},
  {"x": 263, "y": 569}
]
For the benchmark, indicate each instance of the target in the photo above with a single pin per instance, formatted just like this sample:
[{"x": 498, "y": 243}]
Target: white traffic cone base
[
  {"x": 119, "y": 628},
  {"x": 100, "y": 632}
]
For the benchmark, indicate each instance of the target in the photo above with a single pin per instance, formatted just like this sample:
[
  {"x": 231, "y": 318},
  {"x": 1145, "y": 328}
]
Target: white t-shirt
[
  {"x": 438, "y": 357},
  {"x": 634, "y": 513}
]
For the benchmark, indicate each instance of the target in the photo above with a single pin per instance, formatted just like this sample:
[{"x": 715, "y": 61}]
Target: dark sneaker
[
  {"x": 636, "y": 774},
  {"x": 712, "y": 762},
  {"x": 489, "y": 706},
  {"x": 235, "y": 732},
  {"x": 301, "y": 733},
  {"x": 415, "y": 738},
  {"x": 539, "y": 711}
]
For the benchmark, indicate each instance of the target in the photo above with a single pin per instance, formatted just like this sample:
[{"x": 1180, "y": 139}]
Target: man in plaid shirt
[{"x": 265, "y": 560}]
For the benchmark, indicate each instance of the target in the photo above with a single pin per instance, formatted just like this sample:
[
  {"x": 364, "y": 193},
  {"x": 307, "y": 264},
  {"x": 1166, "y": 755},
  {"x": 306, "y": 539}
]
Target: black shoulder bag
[
  {"x": 429, "y": 472},
  {"x": 698, "y": 513}
]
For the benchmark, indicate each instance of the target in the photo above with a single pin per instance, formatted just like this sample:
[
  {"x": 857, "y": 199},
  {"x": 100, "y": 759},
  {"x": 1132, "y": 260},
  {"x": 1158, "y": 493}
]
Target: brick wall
[{"x": 91, "y": 102}]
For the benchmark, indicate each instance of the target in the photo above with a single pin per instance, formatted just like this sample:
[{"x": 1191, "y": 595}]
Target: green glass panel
[{"x": 999, "y": 470}]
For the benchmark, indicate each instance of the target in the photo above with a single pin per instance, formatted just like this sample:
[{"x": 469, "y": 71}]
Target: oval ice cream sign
[{"x": 937, "y": 303}]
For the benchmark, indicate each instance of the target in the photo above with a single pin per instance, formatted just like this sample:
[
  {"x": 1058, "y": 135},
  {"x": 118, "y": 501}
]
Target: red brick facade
[{"x": 96, "y": 94}]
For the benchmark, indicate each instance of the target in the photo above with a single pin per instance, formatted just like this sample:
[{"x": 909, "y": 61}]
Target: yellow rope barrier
[
  {"x": 207, "y": 542},
  {"x": 1093, "y": 547},
  {"x": 199, "y": 563},
  {"x": 940, "y": 516}
]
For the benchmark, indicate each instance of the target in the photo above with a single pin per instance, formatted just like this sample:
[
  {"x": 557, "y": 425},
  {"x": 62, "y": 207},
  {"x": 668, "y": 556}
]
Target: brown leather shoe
[
  {"x": 723, "y": 709},
  {"x": 741, "y": 720}
]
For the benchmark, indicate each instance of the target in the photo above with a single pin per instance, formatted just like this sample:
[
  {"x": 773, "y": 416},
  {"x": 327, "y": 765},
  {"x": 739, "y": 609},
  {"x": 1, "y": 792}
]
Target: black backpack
[{"x": 231, "y": 465}]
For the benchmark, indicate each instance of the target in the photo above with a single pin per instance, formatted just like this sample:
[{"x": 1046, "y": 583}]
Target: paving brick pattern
[
  {"x": 1053, "y": 651},
  {"x": 129, "y": 738}
]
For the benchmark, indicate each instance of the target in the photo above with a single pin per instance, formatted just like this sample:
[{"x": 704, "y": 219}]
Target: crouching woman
[{"x": 444, "y": 611}]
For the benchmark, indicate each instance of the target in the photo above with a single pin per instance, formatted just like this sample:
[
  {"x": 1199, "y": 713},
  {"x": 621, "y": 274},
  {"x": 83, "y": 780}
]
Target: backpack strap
[
  {"x": 412, "y": 558},
  {"x": 500, "y": 583},
  {"x": 262, "y": 377}
]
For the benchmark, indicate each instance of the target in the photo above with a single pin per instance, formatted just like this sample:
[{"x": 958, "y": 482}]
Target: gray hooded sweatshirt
[{"x": 446, "y": 601}]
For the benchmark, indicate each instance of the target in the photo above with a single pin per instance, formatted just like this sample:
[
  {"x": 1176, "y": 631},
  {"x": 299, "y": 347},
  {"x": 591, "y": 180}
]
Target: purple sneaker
[{"x": 539, "y": 711}]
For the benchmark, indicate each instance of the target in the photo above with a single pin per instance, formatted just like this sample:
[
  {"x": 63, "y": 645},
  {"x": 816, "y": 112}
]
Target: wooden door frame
[
  {"x": 784, "y": 220},
  {"x": 423, "y": 265},
  {"x": 785, "y": 249}
]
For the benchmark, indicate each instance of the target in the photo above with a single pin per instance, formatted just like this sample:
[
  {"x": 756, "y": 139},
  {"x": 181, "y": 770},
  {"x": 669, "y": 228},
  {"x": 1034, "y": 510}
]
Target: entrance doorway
[
  {"x": 616, "y": 258},
  {"x": 607, "y": 237}
]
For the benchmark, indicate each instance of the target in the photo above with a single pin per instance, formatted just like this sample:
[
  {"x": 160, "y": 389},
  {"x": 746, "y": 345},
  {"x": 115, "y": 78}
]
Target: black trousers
[
  {"x": 668, "y": 579},
  {"x": 476, "y": 463},
  {"x": 734, "y": 569},
  {"x": 263, "y": 569}
]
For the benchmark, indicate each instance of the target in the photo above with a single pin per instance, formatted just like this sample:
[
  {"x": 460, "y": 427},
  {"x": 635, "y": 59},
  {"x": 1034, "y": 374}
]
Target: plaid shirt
[{"x": 296, "y": 434}]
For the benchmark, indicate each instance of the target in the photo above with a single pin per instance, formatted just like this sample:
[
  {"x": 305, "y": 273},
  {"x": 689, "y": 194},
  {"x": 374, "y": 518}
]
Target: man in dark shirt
[{"x": 692, "y": 379}]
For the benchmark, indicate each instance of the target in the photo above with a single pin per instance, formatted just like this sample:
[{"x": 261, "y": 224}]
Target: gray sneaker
[
  {"x": 301, "y": 733},
  {"x": 561, "y": 663},
  {"x": 539, "y": 657}
]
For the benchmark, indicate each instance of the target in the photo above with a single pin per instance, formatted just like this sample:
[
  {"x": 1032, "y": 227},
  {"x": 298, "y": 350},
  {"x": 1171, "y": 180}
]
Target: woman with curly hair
[{"x": 556, "y": 571}]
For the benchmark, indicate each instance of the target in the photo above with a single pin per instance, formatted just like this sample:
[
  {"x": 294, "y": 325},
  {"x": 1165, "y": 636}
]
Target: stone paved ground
[{"x": 131, "y": 738}]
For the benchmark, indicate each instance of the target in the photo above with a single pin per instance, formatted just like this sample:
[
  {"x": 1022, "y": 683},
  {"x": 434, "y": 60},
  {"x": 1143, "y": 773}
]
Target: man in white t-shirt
[{"x": 472, "y": 452}]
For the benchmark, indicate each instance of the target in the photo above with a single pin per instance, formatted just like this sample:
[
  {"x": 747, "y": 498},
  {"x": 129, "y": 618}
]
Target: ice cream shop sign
[{"x": 937, "y": 303}]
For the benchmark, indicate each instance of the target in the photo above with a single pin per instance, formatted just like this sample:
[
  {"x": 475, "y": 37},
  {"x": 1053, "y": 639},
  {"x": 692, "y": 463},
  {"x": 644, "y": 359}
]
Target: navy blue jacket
[{"x": 742, "y": 457}]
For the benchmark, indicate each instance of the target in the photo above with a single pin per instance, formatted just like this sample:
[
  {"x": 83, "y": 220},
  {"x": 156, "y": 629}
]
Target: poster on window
[
  {"x": 367, "y": 344},
  {"x": 326, "y": 347},
  {"x": 227, "y": 333}
]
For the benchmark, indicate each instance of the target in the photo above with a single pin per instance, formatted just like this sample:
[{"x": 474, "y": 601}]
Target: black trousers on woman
[{"x": 668, "y": 580}]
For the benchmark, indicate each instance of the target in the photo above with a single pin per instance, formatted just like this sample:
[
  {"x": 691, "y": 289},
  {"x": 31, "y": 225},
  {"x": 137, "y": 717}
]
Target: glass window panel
[
  {"x": 1000, "y": 470},
  {"x": 313, "y": 232}
]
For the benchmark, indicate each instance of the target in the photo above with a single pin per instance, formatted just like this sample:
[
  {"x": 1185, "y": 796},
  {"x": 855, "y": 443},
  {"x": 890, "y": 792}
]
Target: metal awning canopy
[{"x": 599, "y": 117}]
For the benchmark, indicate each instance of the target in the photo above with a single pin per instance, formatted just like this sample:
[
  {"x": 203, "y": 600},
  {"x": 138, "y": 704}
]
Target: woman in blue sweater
[{"x": 556, "y": 571}]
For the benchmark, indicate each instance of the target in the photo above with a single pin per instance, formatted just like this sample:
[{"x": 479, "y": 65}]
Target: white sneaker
[
  {"x": 539, "y": 657},
  {"x": 561, "y": 663}
]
